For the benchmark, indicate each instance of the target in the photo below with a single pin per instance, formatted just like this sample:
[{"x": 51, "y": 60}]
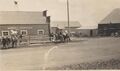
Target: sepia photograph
[{"x": 40, "y": 35}]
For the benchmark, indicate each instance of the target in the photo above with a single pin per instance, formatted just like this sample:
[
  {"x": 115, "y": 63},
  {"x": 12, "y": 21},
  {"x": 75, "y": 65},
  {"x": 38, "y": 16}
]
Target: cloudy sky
[{"x": 88, "y": 12}]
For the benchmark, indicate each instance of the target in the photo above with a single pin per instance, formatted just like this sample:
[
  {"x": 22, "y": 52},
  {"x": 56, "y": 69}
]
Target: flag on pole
[{"x": 15, "y": 2}]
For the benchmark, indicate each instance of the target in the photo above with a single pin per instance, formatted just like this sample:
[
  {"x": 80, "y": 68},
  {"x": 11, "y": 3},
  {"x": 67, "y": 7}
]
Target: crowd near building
[
  {"x": 76, "y": 29},
  {"x": 26, "y": 24}
]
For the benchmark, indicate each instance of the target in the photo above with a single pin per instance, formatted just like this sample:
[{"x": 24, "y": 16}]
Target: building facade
[
  {"x": 83, "y": 31},
  {"x": 25, "y": 23},
  {"x": 109, "y": 29},
  {"x": 110, "y": 25},
  {"x": 24, "y": 29}
]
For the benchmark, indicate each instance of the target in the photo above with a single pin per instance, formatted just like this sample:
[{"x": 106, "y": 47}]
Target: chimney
[
  {"x": 45, "y": 13},
  {"x": 48, "y": 19}
]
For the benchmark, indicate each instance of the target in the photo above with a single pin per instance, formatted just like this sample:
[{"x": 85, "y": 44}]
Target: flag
[
  {"x": 13, "y": 32},
  {"x": 15, "y": 2}
]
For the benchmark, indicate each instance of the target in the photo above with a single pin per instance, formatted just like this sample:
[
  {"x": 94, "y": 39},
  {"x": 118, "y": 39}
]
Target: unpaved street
[{"x": 42, "y": 57}]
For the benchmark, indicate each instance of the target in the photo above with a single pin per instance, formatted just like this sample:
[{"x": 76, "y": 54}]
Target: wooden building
[
  {"x": 110, "y": 25},
  {"x": 24, "y": 22}
]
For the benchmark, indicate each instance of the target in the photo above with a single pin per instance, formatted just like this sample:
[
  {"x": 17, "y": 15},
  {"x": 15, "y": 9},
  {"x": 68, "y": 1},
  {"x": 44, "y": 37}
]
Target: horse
[{"x": 66, "y": 38}]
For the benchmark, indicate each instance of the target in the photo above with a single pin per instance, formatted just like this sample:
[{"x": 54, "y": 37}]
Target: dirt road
[{"x": 43, "y": 57}]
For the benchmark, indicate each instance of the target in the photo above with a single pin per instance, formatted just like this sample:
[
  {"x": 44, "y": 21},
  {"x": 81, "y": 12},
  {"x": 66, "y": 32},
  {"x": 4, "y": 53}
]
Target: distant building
[
  {"x": 87, "y": 32},
  {"x": 82, "y": 31},
  {"x": 72, "y": 29},
  {"x": 63, "y": 24},
  {"x": 54, "y": 29},
  {"x": 75, "y": 29},
  {"x": 110, "y": 24},
  {"x": 24, "y": 22}
]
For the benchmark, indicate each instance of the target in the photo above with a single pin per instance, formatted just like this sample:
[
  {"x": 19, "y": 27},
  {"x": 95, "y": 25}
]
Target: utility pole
[{"x": 68, "y": 17}]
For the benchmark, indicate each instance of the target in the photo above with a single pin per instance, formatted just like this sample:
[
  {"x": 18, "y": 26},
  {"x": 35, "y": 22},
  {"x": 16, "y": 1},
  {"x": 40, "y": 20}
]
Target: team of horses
[{"x": 60, "y": 38}]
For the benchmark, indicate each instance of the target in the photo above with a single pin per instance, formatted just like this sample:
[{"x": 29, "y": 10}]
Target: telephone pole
[{"x": 68, "y": 17}]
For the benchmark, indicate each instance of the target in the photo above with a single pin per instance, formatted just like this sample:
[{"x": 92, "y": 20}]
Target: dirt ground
[{"x": 85, "y": 51}]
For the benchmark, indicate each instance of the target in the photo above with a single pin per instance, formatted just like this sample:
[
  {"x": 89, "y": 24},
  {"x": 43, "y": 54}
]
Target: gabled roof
[
  {"x": 113, "y": 17},
  {"x": 88, "y": 27},
  {"x": 63, "y": 24},
  {"x": 21, "y": 17}
]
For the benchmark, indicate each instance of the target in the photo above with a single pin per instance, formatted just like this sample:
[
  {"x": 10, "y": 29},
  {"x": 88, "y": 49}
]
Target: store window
[
  {"x": 5, "y": 33},
  {"x": 40, "y": 32},
  {"x": 24, "y": 32}
]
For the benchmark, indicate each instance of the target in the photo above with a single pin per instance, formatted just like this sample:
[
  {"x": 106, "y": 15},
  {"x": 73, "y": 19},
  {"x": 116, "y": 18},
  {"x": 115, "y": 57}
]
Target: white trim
[
  {"x": 5, "y": 31},
  {"x": 24, "y": 31},
  {"x": 39, "y": 31}
]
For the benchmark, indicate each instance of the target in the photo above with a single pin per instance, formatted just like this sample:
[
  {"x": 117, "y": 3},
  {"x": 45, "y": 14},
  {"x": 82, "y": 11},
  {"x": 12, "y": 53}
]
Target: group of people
[
  {"x": 13, "y": 41},
  {"x": 10, "y": 41},
  {"x": 60, "y": 37},
  {"x": 116, "y": 34}
]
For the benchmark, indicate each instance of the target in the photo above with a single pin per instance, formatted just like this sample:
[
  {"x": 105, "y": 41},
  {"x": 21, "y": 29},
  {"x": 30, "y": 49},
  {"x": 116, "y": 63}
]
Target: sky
[{"x": 88, "y": 12}]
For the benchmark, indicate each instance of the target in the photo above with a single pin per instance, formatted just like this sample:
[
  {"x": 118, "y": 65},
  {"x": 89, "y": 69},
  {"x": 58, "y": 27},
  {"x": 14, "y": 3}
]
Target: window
[
  {"x": 24, "y": 32},
  {"x": 5, "y": 33},
  {"x": 40, "y": 32}
]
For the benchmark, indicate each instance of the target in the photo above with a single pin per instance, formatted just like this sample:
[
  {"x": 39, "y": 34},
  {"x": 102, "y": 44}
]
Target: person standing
[
  {"x": 4, "y": 42},
  {"x": 7, "y": 42},
  {"x": 13, "y": 41}
]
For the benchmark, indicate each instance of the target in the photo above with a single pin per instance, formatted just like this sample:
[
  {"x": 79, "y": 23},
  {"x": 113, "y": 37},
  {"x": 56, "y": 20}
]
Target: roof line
[{"x": 21, "y": 11}]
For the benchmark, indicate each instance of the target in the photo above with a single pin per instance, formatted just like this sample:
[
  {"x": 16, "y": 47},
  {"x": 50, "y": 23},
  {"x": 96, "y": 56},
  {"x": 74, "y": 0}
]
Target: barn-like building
[{"x": 110, "y": 25}]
